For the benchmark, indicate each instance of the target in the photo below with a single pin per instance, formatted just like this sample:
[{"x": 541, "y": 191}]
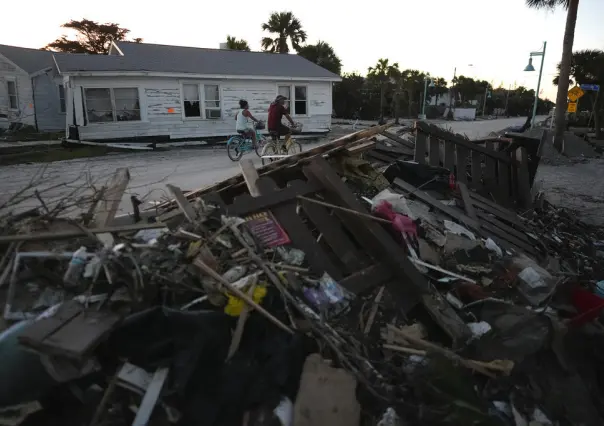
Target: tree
[
  {"x": 234, "y": 44},
  {"x": 587, "y": 67},
  {"x": 438, "y": 90},
  {"x": 92, "y": 37},
  {"x": 286, "y": 27},
  {"x": 323, "y": 55},
  {"x": 572, "y": 7},
  {"x": 383, "y": 73}
]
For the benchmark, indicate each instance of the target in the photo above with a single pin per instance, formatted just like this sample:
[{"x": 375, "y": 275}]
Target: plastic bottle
[{"x": 76, "y": 267}]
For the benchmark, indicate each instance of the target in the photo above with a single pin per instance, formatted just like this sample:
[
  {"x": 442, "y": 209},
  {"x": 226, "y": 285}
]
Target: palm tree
[
  {"x": 234, "y": 44},
  {"x": 572, "y": 7},
  {"x": 285, "y": 26},
  {"x": 383, "y": 72},
  {"x": 323, "y": 55}
]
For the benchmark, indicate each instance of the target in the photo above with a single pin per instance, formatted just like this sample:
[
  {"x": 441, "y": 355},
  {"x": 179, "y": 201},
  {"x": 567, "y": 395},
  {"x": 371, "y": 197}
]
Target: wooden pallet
[
  {"x": 357, "y": 252},
  {"x": 502, "y": 175}
]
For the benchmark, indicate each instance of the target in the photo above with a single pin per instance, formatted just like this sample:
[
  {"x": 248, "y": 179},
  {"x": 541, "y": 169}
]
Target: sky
[{"x": 435, "y": 36}]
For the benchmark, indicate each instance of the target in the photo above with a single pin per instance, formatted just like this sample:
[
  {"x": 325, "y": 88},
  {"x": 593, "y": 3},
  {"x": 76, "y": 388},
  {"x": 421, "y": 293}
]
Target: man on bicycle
[
  {"x": 242, "y": 121},
  {"x": 276, "y": 111}
]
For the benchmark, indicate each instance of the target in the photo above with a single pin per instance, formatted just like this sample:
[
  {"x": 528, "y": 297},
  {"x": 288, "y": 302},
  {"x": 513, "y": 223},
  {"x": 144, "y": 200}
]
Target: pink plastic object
[{"x": 400, "y": 222}]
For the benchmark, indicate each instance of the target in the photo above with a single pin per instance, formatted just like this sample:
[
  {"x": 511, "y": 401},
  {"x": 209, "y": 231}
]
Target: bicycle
[
  {"x": 274, "y": 150},
  {"x": 238, "y": 145}
]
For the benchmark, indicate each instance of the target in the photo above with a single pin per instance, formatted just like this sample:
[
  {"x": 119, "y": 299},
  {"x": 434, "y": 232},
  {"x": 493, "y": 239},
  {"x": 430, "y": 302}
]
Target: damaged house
[
  {"x": 31, "y": 90},
  {"x": 144, "y": 92}
]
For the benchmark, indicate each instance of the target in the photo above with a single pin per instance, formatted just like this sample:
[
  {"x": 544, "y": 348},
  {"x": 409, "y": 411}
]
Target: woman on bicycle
[{"x": 242, "y": 120}]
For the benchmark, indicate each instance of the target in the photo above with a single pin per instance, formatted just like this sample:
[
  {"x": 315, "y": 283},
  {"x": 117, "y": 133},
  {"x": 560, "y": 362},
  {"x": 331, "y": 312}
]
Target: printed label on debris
[{"x": 265, "y": 227}]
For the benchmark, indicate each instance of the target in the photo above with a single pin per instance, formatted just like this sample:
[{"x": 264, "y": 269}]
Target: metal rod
[{"x": 344, "y": 209}]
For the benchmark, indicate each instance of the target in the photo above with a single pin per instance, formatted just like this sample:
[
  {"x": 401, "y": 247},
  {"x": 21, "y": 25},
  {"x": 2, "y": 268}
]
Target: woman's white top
[{"x": 242, "y": 121}]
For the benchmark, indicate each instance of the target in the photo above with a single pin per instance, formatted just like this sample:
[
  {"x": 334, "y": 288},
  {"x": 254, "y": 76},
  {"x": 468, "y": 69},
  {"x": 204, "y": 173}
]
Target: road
[{"x": 150, "y": 171}]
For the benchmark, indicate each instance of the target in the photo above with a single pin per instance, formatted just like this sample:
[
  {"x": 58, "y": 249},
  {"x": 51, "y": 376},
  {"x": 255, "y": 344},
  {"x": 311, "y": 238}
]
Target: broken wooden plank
[
  {"x": 112, "y": 197},
  {"x": 462, "y": 163},
  {"x": 250, "y": 176},
  {"x": 367, "y": 278},
  {"x": 183, "y": 203},
  {"x": 523, "y": 185},
  {"x": 503, "y": 182},
  {"x": 449, "y": 161},
  {"x": 425, "y": 197},
  {"x": 445, "y": 316},
  {"x": 420, "y": 148},
  {"x": 434, "y": 151},
  {"x": 467, "y": 201},
  {"x": 143, "y": 414},
  {"x": 476, "y": 169},
  {"x": 64, "y": 235},
  {"x": 490, "y": 171},
  {"x": 398, "y": 139}
]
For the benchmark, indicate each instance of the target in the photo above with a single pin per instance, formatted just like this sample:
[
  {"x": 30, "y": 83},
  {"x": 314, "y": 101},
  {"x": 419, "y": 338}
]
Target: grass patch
[{"x": 51, "y": 154}]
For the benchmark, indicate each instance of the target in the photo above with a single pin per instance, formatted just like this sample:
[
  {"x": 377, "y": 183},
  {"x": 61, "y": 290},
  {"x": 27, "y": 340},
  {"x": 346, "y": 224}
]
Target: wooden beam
[
  {"x": 398, "y": 139},
  {"x": 112, "y": 198},
  {"x": 250, "y": 175},
  {"x": 182, "y": 202}
]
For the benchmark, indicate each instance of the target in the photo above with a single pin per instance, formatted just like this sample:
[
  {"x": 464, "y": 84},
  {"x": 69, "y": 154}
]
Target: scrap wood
[
  {"x": 65, "y": 235},
  {"x": 112, "y": 197},
  {"x": 504, "y": 366},
  {"x": 238, "y": 333},
  {"x": 374, "y": 309},
  {"x": 344, "y": 209},
  {"x": 435, "y": 348},
  {"x": 143, "y": 414}
]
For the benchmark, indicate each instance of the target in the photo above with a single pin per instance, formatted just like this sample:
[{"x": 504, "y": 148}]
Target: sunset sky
[{"x": 435, "y": 36}]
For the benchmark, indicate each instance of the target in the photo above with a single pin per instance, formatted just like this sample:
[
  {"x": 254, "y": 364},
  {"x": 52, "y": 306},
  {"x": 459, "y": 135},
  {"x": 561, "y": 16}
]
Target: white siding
[
  {"x": 25, "y": 112},
  {"x": 162, "y": 109}
]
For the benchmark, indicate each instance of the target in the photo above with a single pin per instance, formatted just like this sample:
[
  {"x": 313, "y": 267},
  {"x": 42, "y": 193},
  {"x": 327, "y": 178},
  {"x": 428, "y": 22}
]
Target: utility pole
[
  {"x": 484, "y": 104},
  {"x": 507, "y": 97}
]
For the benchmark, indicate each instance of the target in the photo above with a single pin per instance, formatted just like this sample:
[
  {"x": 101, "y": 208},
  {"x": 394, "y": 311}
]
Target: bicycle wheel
[
  {"x": 234, "y": 148},
  {"x": 269, "y": 149},
  {"x": 294, "y": 148},
  {"x": 260, "y": 144}
]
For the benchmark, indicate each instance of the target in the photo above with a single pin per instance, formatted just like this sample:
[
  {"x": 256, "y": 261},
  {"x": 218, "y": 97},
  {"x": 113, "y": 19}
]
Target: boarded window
[
  {"x": 11, "y": 89},
  {"x": 127, "y": 105},
  {"x": 301, "y": 101},
  {"x": 212, "y": 101},
  {"x": 98, "y": 105},
  {"x": 191, "y": 100},
  {"x": 62, "y": 105},
  {"x": 285, "y": 91}
]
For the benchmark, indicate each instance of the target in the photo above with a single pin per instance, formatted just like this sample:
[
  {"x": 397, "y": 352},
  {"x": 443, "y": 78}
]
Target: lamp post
[
  {"x": 530, "y": 68},
  {"x": 426, "y": 80}
]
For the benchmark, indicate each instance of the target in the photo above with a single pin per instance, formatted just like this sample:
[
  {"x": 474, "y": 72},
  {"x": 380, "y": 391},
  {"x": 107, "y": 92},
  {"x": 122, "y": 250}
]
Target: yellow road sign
[
  {"x": 575, "y": 93},
  {"x": 572, "y": 107}
]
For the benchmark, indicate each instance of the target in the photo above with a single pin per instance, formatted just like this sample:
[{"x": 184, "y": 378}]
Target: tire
[
  {"x": 269, "y": 149},
  {"x": 294, "y": 148},
  {"x": 260, "y": 144},
  {"x": 234, "y": 150}
]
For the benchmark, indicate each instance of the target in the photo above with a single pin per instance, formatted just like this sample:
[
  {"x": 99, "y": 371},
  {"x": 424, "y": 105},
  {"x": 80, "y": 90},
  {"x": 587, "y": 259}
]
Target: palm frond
[{"x": 547, "y": 4}]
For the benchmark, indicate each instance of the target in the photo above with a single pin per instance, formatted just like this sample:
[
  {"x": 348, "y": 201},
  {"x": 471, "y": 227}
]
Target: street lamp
[
  {"x": 426, "y": 80},
  {"x": 530, "y": 68}
]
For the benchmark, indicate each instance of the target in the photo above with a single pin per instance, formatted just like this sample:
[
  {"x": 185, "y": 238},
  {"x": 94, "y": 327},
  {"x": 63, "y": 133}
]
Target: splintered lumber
[
  {"x": 112, "y": 197},
  {"x": 65, "y": 235}
]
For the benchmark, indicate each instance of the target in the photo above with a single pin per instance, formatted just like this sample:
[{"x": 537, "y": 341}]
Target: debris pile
[{"x": 316, "y": 290}]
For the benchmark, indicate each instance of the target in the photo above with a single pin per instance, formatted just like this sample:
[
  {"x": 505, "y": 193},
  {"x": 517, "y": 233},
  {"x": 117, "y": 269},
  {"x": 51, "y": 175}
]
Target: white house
[
  {"x": 160, "y": 93},
  {"x": 31, "y": 90}
]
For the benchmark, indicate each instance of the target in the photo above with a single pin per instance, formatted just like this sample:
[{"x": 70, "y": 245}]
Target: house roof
[
  {"x": 29, "y": 60},
  {"x": 143, "y": 57}
]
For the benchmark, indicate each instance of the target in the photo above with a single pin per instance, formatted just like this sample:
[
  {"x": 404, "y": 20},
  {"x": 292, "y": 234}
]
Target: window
[
  {"x": 299, "y": 98},
  {"x": 285, "y": 91},
  {"x": 300, "y": 101},
  {"x": 62, "y": 107},
  {"x": 11, "y": 89},
  {"x": 109, "y": 105},
  {"x": 192, "y": 102},
  {"x": 212, "y": 101},
  {"x": 127, "y": 106}
]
